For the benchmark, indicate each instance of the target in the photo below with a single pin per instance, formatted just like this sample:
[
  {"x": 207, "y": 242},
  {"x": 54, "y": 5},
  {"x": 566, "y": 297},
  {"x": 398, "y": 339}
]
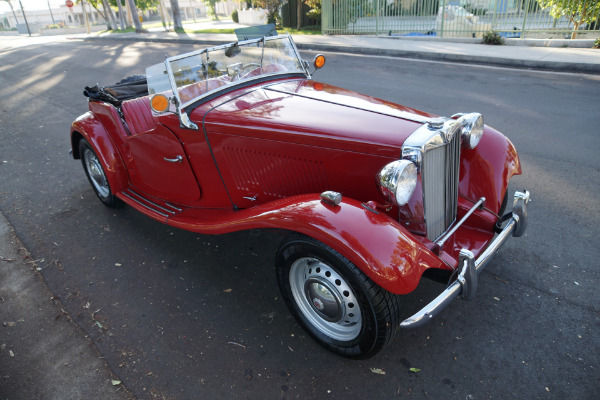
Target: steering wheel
[
  {"x": 248, "y": 68},
  {"x": 250, "y": 65}
]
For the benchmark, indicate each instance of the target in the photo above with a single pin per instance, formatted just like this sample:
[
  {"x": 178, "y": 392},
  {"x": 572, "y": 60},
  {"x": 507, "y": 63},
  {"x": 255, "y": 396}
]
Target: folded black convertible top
[{"x": 129, "y": 88}]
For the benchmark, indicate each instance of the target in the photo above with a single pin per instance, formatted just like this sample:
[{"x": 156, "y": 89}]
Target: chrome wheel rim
[
  {"x": 325, "y": 299},
  {"x": 96, "y": 173}
]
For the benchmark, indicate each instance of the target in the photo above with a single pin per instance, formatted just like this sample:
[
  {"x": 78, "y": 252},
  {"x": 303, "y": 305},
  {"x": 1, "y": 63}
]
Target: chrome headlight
[
  {"x": 397, "y": 181},
  {"x": 472, "y": 128}
]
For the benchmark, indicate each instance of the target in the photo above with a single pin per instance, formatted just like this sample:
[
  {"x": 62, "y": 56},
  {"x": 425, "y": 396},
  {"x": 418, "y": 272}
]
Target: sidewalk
[
  {"x": 43, "y": 354},
  {"x": 517, "y": 55}
]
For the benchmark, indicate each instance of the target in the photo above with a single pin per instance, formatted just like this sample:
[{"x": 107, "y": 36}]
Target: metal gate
[{"x": 461, "y": 18}]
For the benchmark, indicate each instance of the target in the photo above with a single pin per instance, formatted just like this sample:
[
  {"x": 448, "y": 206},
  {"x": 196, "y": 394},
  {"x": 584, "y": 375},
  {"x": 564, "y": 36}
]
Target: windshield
[{"x": 194, "y": 75}]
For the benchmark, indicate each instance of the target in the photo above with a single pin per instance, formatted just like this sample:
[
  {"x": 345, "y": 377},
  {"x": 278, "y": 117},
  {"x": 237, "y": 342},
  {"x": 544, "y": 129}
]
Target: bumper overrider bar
[{"x": 465, "y": 285}]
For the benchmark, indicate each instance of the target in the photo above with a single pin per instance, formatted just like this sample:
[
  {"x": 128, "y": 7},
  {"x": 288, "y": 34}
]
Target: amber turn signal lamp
[
  {"x": 159, "y": 103},
  {"x": 319, "y": 61}
]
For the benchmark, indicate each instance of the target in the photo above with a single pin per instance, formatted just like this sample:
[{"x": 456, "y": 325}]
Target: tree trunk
[
  {"x": 299, "y": 3},
  {"x": 14, "y": 14},
  {"x": 128, "y": 19},
  {"x": 103, "y": 15},
  {"x": 111, "y": 15},
  {"x": 575, "y": 29},
  {"x": 135, "y": 17},
  {"x": 213, "y": 10},
  {"x": 176, "y": 15},
  {"x": 163, "y": 19},
  {"x": 93, "y": 19},
  {"x": 193, "y": 11},
  {"x": 121, "y": 15}
]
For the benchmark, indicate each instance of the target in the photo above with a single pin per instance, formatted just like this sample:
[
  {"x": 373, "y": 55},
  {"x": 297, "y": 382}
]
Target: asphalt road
[{"x": 178, "y": 315}]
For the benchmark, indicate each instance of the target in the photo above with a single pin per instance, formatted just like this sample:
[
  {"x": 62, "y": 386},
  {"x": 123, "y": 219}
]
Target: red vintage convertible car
[{"x": 370, "y": 195}]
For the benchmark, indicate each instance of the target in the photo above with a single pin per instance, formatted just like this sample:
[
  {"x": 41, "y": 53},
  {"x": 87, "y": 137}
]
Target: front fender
[
  {"x": 485, "y": 171},
  {"x": 87, "y": 126},
  {"x": 379, "y": 246}
]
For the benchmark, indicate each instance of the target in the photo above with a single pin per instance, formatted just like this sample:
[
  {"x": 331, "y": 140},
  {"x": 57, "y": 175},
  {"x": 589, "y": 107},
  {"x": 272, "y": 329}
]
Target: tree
[
  {"x": 108, "y": 15},
  {"x": 212, "y": 7},
  {"x": 176, "y": 15},
  {"x": 315, "y": 10},
  {"x": 578, "y": 12},
  {"x": 119, "y": 6},
  {"x": 299, "y": 4},
  {"x": 136, "y": 18},
  {"x": 13, "y": 11},
  {"x": 272, "y": 7},
  {"x": 146, "y": 4},
  {"x": 84, "y": 14},
  {"x": 164, "y": 15}
]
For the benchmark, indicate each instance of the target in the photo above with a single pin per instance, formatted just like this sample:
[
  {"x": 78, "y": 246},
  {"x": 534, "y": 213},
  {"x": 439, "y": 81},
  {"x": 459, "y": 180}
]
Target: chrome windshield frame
[{"x": 204, "y": 54}]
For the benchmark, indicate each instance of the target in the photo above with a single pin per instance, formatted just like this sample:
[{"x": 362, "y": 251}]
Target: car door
[{"x": 157, "y": 165}]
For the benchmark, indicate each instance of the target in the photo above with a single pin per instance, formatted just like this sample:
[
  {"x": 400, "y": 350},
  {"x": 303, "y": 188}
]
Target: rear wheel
[
  {"x": 335, "y": 302},
  {"x": 96, "y": 175}
]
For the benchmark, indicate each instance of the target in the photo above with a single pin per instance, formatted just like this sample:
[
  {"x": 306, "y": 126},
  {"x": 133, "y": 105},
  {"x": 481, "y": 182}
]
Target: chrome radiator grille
[
  {"x": 440, "y": 186},
  {"x": 435, "y": 147}
]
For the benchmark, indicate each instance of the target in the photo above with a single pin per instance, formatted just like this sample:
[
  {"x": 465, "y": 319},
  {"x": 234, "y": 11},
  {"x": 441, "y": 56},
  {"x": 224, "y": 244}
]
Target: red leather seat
[{"x": 138, "y": 115}]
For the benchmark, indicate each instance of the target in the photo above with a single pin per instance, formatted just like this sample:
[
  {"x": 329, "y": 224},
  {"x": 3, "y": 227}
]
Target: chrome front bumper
[{"x": 465, "y": 285}]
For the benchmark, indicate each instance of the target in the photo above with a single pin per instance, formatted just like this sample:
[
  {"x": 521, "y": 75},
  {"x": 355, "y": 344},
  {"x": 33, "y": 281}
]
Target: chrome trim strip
[
  {"x": 158, "y": 208},
  {"x": 478, "y": 206},
  {"x": 142, "y": 204},
  {"x": 466, "y": 284},
  {"x": 174, "y": 207}
]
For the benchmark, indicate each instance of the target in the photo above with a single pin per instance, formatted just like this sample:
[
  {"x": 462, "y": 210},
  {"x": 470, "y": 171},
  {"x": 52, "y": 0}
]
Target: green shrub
[
  {"x": 596, "y": 44},
  {"x": 234, "y": 16},
  {"x": 492, "y": 37}
]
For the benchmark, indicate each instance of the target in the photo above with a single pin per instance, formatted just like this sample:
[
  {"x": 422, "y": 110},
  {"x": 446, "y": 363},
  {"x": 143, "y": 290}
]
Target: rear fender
[
  {"x": 92, "y": 130},
  {"x": 379, "y": 246}
]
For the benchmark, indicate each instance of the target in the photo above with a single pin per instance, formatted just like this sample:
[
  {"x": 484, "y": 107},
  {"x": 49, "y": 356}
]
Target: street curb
[
  {"x": 49, "y": 352},
  {"x": 527, "y": 42},
  {"x": 462, "y": 58},
  {"x": 554, "y": 66}
]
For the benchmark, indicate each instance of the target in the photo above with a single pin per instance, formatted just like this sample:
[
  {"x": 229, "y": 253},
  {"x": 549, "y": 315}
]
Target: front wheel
[
  {"x": 334, "y": 301},
  {"x": 96, "y": 175}
]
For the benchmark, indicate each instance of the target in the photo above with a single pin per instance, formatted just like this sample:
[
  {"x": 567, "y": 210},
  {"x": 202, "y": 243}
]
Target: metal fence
[{"x": 458, "y": 18}]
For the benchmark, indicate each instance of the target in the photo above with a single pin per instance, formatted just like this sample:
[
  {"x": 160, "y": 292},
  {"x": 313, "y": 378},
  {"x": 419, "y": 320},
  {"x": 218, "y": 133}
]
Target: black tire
[
  {"x": 334, "y": 301},
  {"x": 96, "y": 175}
]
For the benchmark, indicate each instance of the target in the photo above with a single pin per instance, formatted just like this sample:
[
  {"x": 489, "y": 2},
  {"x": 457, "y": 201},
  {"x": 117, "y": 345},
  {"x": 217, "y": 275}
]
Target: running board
[{"x": 153, "y": 208}]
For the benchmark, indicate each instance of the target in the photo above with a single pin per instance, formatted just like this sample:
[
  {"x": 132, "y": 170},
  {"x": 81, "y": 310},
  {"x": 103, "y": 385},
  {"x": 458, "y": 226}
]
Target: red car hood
[{"x": 316, "y": 114}]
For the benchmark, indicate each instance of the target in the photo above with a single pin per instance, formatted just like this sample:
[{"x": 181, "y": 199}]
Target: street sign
[{"x": 69, "y": 3}]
